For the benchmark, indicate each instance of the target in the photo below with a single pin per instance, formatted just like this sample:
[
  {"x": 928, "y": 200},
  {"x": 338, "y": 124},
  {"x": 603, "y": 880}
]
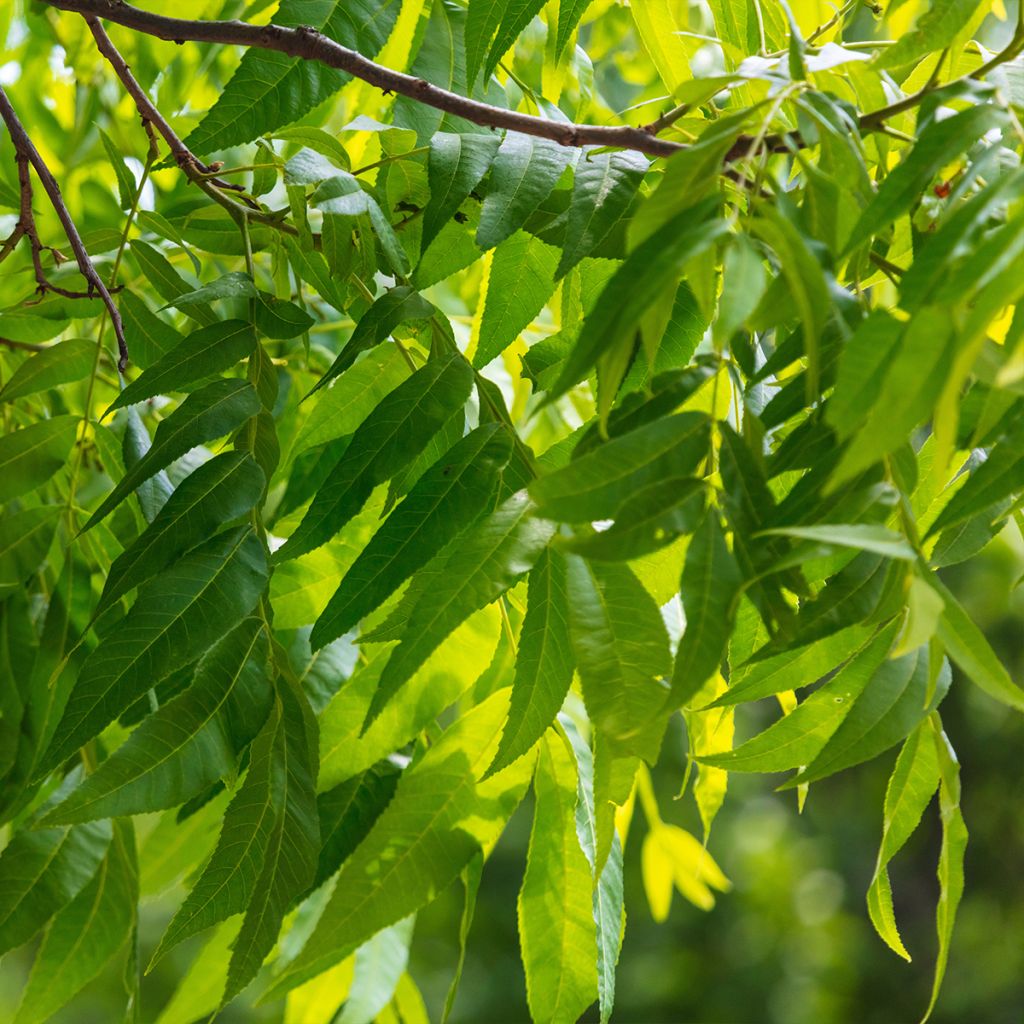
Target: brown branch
[
  {"x": 309, "y": 44},
  {"x": 151, "y": 117},
  {"x": 26, "y": 153}
]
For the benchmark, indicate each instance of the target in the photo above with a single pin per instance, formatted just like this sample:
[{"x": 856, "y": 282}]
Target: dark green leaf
[
  {"x": 209, "y": 413},
  {"x": 444, "y": 501},
  {"x": 62, "y": 363},
  {"x": 208, "y": 351},
  {"x": 176, "y": 617},
  {"x": 398, "y": 428}
]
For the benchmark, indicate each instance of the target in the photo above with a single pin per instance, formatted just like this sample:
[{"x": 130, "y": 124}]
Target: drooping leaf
[
  {"x": 444, "y": 501},
  {"x": 29, "y": 457},
  {"x": 439, "y": 817},
  {"x": 544, "y": 666},
  {"x": 911, "y": 787},
  {"x": 471, "y": 572},
  {"x": 387, "y": 440},
  {"x": 217, "y": 492},
  {"x": 710, "y": 590},
  {"x": 621, "y": 649},
  {"x": 292, "y": 843},
  {"x": 523, "y": 174},
  {"x": 175, "y": 618},
  {"x": 556, "y": 921},
  {"x": 649, "y": 271},
  {"x": 206, "y": 414},
  {"x": 208, "y": 351},
  {"x": 521, "y": 281},
  {"x": 456, "y": 165},
  {"x": 604, "y": 186},
  {"x": 184, "y": 746}
]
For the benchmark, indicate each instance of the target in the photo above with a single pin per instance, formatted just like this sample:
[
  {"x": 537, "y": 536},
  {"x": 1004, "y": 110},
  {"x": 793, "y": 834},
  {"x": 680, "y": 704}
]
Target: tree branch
[
  {"x": 309, "y": 44},
  {"x": 26, "y": 154}
]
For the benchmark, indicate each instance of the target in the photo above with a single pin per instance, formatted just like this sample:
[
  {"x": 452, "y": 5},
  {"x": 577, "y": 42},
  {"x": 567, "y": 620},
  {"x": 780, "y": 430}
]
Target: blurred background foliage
[{"x": 791, "y": 942}]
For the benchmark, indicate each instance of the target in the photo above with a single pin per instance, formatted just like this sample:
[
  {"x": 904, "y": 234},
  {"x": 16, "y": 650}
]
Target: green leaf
[
  {"x": 864, "y": 361},
  {"x": 569, "y": 14},
  {"x": 521, "y": 281},
  {"x": 219, "y": 491},
  {"x": 345, "y": 750},
  {"x": 936, "y": 146},
  {"x": 936, "y": 27},
  {"x": 768, "y": 673},
  {"x": 455, "y": 167},
  {"x": 391, "y": 436},
  {"x": 860, "y": 536},
  {"x": 544, "y": 665},
  {"x": 29, "y": 457},
  {"x": 710, "y": 590},
  {"x": 482, "y": 20},
  {"x": 25, "y": 540},
  {"x": 798, "y": 738},
  {"x": 598, "y": 483},
  {"x": 907, "y": 394},
  {"x": 443, "y": 502},
  {"x": 557, "y": 934},
  {"x": 605, "y": 185},
  {"x": 967, "y": 646},
  {"x": 62, "y": 363},
  {"x": 440, "y": 816},
  {"x": 523, "y": 175},
  {"x": 184, "y": 746},
  {"x": 608, "y": 895},
  {"x": 379, "y": 964},
  {"x": 347, "y": 813},
  {"x": 86, "y": 934},
  {"x": 148, "y": 336},
  {"x": 516, "y": 15},
  {"x": 897, "y": 698},
  {"x": 395, "y": 307},
  {"x": 125, "y": 181},
  {"x": 209, "y": 413},
  {"x": 176, "y": 617},
  {"x": 204, "y": 353},
  {"x": 654, "y": 517},
  {"x": 42, "y": 870},
  {"x": 471, "y": 572},
  {"x": 344, "y": 198},
  {"x": 270, "y": 89},
  {"x": 622, "y": 653},
  {"x": 350, "y": 399},
  {"x": 998, "y": 477},
  {"x": 292, "y": 844},
  {"x": 236, "y": 285},
  {"x": 648, "y": 272},
  {"x": 951, "y": 856},
  {"x": 911, "y": 787}
]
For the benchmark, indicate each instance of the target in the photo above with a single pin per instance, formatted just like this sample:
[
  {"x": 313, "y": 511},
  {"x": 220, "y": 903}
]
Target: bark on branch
[
  {"x": 27, "y": 155},
  {"x": 309, "y": 44}
]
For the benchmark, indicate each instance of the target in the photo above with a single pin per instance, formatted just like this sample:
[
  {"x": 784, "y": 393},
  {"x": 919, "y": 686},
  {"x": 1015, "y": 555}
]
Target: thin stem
[
  {"x": 28, "y": 154},
  {"x": 309, "y": 44}
]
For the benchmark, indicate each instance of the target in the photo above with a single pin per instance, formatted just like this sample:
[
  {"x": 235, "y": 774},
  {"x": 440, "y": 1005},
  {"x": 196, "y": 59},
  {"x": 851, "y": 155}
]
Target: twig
[
  {"x": 183, "y": 156},
  {"x": 26, "y": 153},
  {"x": 312, "y": 45}
]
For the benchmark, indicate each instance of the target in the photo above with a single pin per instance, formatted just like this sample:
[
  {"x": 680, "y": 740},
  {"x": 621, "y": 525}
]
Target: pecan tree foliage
[{"x": 445, "y": 400}]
